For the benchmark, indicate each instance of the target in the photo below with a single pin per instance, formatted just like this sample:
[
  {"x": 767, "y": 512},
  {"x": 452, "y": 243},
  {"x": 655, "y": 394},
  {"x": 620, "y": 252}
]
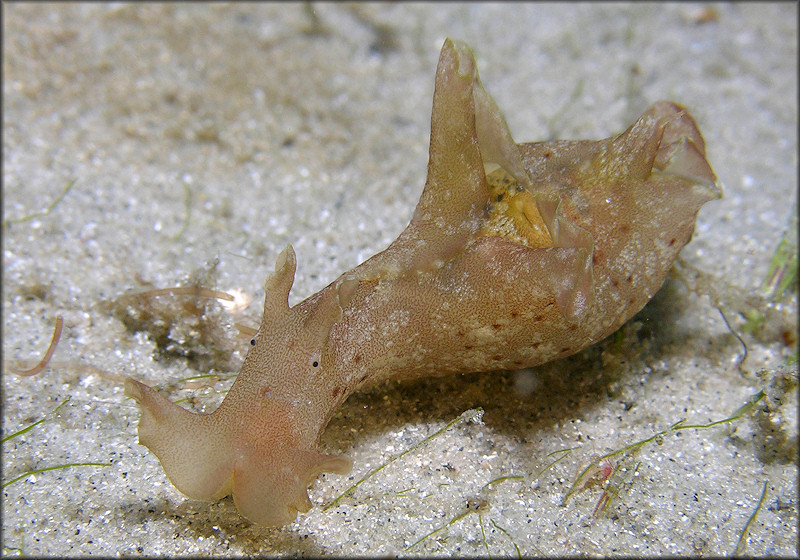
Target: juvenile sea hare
[{"x": 516, "y": 254}]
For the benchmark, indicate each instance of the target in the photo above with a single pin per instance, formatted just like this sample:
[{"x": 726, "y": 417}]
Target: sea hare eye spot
[
  {"x": 253, "y": 342},
  {"x": 315, "y": 364}
]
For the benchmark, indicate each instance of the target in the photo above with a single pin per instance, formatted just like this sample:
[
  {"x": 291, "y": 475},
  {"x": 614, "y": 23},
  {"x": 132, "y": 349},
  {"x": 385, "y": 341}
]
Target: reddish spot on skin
[
  {"x": 538, "y": 318},
  {"x": 496, "y": 326},
  {"x": 614, "y": 283},
  {"x": 336, "y": 391},
  {"x": 468, "y": 347},
  {"x": 597, "y": 257},
  {"x": 573, "y": 327},
  {"x": 514, "y": 314},
  {"x": 363, "y": 378},
  {"x": 630, "y": 301},
  {"x": 565, "y": 349},
  {"x": 672, "y": 242},
  {"x": 357, "y": 358},
  {"x": 536, "y": 345},
  {"x": 629, "y": 279},
  {"x": 624, "y": 229},
  {"x": 497, "y": 358},
  {"x": 517, "y": 363}
]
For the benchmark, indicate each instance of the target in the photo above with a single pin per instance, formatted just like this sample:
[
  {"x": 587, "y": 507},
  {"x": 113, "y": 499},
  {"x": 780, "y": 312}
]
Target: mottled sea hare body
[{"x": 516, "y": 254}]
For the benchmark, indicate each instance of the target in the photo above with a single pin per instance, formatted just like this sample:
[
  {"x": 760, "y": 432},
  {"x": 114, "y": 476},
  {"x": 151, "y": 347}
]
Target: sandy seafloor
[{"x": 219, "y": 133}]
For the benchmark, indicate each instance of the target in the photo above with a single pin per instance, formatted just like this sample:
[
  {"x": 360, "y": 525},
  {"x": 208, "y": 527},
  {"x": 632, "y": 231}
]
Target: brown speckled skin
[{"x": 445, "y": 297}]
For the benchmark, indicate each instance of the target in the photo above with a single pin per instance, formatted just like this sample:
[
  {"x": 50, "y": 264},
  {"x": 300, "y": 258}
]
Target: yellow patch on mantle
[{"x": 513, "y": 212}]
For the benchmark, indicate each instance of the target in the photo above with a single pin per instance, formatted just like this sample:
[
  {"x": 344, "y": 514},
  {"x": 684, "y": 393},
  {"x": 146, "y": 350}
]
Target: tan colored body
[{"x": 515, "y": 255}]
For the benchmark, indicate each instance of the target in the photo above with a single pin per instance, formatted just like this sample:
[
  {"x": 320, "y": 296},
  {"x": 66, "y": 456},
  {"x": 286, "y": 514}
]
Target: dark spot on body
[
  {"x": 357, "y": 358},
  {"x": 566, "y": 349},
  {"x": 496, "y": 326},
  {"x": 363, "y": 378},
  {"x": 623, "y": 229},
  {"x": 538, "y": 318},
  {"x": 629, "y": 279},
  {"x": 672, "y": 242},
  {"x": 614, "y": 283},
  {"x": 336, "y": 392},
  {"x": 514, "y": 314},
  {"x": 497, "y": 358},
  {"x": 468, "y": 347}
]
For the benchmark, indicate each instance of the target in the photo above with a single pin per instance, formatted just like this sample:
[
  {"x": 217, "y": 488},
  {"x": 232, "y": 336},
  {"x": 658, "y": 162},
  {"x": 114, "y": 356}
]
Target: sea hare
[{"x": 516, "y": 254}]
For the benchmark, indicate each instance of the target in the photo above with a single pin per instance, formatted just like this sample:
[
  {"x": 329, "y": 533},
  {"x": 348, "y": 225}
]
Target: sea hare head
[
  {"x": 253, "y": 446},
  {"x": 206, "y": 461}
]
